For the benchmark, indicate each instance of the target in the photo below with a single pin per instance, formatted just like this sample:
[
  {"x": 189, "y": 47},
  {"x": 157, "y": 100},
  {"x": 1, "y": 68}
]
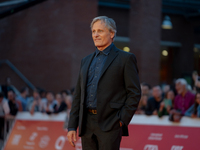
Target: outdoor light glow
[
  {"x": 167, "y": 24},
  {"x": 165, "y": 53},
  {"x": 126, "y": 49},
  {"x": 196, "y": 50}
]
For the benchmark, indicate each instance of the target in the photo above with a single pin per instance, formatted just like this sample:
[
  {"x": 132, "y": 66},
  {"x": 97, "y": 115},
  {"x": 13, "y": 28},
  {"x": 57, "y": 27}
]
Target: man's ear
[{"x": 112, "y": 34}]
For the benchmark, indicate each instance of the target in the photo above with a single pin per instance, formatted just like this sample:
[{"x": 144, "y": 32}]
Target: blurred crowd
[
  {"x": 176, "y": 100},
  {"x": 13, "y": 101},
  {"x": 40, "y": 101}
]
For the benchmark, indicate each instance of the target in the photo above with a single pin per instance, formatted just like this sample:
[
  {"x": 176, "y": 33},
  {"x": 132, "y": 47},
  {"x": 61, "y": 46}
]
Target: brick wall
[
  {"x": 145, "y": 30},
  {"x": 47, "y": 42}
]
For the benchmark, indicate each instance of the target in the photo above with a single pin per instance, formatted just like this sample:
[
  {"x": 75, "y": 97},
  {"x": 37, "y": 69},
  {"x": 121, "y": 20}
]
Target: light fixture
[
  {"x": 126, "y": 49},
  {"x": 196, "y": 50},
  {"x": 167, "y": 24},
  {"x": 165, "y": 53}
]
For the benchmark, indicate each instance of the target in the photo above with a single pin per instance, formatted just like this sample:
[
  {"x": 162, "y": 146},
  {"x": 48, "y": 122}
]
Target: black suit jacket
[{"x": 118, "y": 92}]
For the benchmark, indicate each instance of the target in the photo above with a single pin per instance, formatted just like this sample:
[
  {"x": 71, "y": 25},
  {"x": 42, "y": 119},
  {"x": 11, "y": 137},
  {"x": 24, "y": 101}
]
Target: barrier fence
[{"x": 46, "y": 132}]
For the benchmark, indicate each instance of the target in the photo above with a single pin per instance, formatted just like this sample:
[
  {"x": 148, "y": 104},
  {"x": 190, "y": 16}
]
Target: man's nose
[{"x": 96, "y": 34}]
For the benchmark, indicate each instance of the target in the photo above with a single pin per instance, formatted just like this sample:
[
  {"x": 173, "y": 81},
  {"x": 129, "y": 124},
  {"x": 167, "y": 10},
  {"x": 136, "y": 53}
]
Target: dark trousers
[{"x": 96, "y": 139}]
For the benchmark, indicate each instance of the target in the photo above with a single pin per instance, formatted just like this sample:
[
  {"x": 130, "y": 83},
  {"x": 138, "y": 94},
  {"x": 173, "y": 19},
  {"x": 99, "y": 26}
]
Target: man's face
[
  {"x": 59, "y": 97},
  {"x": 50, "y": 97},
  {"x": 180, "y": 88},
  {"x": 157, "y": 93},
  {"x": 36, "y": 95},
  {"x": 11, "y": 95},
  {"x": 145, "y": 89},
  {"x": 102, "y": 37}
]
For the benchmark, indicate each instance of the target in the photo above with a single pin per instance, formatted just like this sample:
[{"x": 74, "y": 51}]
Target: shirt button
[
  {"x": 91, "y": 95},
  {"x": 95, "y": 76},
  {"x": 99, "y": 59}
]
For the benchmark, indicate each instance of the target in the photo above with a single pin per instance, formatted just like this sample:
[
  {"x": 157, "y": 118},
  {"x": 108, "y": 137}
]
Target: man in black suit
[{"x": 107, "y": 92}]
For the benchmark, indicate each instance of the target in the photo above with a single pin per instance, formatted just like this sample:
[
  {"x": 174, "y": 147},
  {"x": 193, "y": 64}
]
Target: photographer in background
[{"x": 196, "y": 79}]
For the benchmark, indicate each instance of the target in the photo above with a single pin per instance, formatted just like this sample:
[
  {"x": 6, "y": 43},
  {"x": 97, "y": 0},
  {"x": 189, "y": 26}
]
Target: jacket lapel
[
  {"x": 86, "y": 68},
  {"x": 109, "y": 60}
]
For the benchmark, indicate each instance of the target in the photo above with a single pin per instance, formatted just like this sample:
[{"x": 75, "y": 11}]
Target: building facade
[{"x": 46, "y": 42}]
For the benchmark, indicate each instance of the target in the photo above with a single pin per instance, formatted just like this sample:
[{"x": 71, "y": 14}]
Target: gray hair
[
  {"x": 181, "y": 81},
  {"x": 109, "y": 22}
]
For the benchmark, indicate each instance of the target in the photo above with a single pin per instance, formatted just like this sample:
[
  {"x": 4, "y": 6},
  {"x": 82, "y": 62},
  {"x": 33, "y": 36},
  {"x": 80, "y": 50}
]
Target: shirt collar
[{"x": 106, "y": 51}]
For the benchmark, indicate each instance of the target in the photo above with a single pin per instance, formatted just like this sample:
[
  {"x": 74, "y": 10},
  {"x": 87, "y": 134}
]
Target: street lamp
[{"x": 167, "y": 24}]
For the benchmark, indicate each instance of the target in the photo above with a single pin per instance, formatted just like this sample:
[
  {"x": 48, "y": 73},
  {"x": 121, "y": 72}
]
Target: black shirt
[
  {"x": 13, "y": 108},
  {"x": 152, "y": 105}
]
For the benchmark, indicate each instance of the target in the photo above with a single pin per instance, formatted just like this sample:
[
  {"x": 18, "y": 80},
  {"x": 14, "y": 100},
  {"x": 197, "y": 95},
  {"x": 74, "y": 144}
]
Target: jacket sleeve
[
  {"x": 198, "y": 111},
  {"x": 74, "y": 113},
  {"x": 133, "y": 90},
  {"x": 190, "y": 111}
]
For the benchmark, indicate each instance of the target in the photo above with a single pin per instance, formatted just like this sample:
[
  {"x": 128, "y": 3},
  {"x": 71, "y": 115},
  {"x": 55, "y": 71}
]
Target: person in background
[
  {"x": 194, "y": 110},
  {"x": 14, "y": 105},
  {"x": 36, "y": 104},
  {"x": 142, "y": 105},
  {"x": 165, "y": 89},
  {"x": 42, "y": 93},
  {"x": 153, "y": 103},
  {"x": 196, "y": 79},
  {"x": 23, "y": 97},
  {"x": 72, "y": 91},
  {"x": 4, "y": 111},
  {"x": 167, "y": 104},
  {"x": 4, "y": 107},
  {"x": 182, "y": 101},
  {"x": 68, "y": 101},
  {"x": 61, "y": 105},
  {"x": 7, "y": 86},
  {"x": 50, "y": 103},
  {"x": 146, "y": 89},
  {"x": 65, "y": 93}
]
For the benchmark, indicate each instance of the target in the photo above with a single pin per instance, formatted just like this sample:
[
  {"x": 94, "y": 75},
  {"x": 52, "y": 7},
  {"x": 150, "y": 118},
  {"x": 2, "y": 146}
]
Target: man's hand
[
  {"x": 162, "y": 105},
  {"x": 155, "y": 112},
  {"x": 120, "y": 123},
  {"x": 71, "y": 135},
  {"x": 193, "y": 116}
]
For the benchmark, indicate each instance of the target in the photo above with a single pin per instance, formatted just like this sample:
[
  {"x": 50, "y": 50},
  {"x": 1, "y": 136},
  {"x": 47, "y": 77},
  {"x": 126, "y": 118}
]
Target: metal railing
[{"x": 17, "y": 72}]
